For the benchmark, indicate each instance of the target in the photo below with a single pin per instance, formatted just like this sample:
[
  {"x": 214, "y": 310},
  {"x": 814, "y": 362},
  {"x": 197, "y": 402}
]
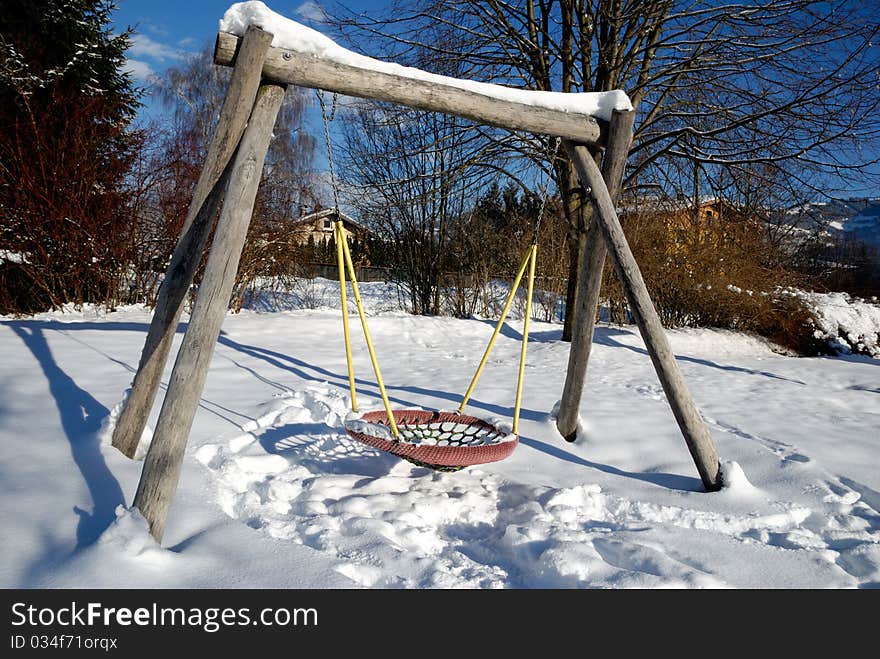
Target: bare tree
[
  {"x": 162, "y": 181},
  {"x": 195, "y": 92},
  {"x": 781, "y": 92},
  {"x": 416, "y": 175}
]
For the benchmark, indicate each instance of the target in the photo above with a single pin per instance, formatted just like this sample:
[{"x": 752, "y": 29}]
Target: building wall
[
  {"x": 713, "y": 223},
  {"x": 319, "y": 231}
]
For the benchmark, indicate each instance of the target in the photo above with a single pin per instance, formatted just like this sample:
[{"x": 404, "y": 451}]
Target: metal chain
[
  {"x": 545, "y": 192},
  {"x": 326, "y": 120}
]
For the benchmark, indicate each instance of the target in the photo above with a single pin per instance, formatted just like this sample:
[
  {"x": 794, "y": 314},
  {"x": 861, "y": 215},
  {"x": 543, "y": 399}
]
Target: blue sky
[{"x": 166, "y": 31}]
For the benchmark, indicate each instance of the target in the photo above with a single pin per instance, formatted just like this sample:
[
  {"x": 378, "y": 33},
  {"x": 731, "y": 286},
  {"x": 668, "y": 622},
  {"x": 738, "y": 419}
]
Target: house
[
  {"x": 318, "y": 227},
  {"x": 712, "y": 222}
]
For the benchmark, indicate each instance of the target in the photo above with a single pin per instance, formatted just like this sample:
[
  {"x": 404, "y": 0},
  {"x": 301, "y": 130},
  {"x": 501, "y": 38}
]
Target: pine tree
[{"x": 65, "y": 147}]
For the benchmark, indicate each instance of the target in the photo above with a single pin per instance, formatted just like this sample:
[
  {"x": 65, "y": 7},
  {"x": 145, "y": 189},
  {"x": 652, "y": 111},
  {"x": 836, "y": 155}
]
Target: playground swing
[
  {"x": 440, "y": 440},
  {"x": 229, "y": 179}
]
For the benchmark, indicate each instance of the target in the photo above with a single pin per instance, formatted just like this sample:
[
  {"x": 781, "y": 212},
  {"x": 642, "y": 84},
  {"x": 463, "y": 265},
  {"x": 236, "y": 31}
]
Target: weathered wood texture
[
  {"x": 287, "y": 66},
  {"x": 591, "y": 266},
  {"x": 205, "y": 203},
  {"x": 692, "y": 426},
  {"x": 162, "y": 466}
]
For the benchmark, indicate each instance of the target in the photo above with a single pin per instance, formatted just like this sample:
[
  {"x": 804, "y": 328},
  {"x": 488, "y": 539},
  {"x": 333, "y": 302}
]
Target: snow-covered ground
[{"x": 274, "y": 494}]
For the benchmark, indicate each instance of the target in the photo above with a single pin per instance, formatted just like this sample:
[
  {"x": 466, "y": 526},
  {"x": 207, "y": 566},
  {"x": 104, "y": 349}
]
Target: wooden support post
[
  {"x": 692, "y": 426},
  {"x": 206, "y": 201},
  {"x": 162, "y": 465},
  {"x": 591, "y": 267}
]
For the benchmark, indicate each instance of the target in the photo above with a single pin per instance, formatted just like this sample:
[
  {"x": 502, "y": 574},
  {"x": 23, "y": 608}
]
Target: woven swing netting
[{"x": 444, "y": 441}]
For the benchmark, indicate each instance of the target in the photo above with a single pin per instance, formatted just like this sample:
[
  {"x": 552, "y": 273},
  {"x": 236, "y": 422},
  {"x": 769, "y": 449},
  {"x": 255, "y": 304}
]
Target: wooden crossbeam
[{"x": 291, "y": 67}]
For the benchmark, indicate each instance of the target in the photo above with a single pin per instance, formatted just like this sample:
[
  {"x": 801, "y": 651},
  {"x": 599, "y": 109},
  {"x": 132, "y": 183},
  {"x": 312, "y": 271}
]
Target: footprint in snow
[{"x": 785, "y": 452}]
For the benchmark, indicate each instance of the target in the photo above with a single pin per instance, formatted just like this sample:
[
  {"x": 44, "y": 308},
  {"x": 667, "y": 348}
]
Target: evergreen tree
[
  {"x": 329, "y": 255},
  {"x": 65, "y": 149},
  {"x": 311, "y": 254}
]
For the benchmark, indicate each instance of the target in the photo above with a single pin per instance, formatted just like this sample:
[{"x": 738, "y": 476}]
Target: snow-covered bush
[{"x": 843, "y": 323}]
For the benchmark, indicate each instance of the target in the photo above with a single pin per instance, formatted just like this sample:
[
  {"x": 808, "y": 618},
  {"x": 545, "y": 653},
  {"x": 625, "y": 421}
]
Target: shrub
[{"x": 709, "y": 269}]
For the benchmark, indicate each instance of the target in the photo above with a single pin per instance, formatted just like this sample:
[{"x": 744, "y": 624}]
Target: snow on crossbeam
[{"x": 305, "y": 57}]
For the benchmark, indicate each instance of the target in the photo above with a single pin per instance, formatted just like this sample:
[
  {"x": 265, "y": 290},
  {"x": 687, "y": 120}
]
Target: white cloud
[
  {"x": 155, "y": 28},
  {"x": 144, "y": 46},
  {"x": 139, "y": 69},
  {"x": 310, "y": 11}
]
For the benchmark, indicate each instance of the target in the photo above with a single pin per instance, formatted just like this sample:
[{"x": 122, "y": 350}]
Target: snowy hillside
[
  {"x": 274, "y": 494},
  {"x": 852, "y": 219},
  {"x": 865, "y": 226}
]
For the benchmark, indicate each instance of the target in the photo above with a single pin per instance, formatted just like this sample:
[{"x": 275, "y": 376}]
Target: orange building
[{"x": 712, "y": 223}]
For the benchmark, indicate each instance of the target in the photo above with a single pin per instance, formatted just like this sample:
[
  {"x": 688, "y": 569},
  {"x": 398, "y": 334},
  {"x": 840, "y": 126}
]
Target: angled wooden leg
[
  {"x": 592, "y": 265},
  {"x": 162, "y": 466},
  {"x": 692, "y": 426},
  {"x": 206, "y": 201}
]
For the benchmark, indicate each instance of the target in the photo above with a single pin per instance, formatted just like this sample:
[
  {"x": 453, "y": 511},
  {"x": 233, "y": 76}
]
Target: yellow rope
[
  {"x": 533, "y": 253},
  {"x": 504, "y": 312},
  {"x": 340, "y": 261},
  {"x": 363, "y": 317}
]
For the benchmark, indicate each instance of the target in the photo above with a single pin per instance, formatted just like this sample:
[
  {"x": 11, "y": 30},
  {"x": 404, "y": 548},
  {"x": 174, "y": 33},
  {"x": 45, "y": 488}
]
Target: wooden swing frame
[{"x": 230, "y": 177}]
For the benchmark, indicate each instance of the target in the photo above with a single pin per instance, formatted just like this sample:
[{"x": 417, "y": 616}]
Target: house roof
[
  {"x": 328, "y": 212},
  {"x": 671, "y": 204}
]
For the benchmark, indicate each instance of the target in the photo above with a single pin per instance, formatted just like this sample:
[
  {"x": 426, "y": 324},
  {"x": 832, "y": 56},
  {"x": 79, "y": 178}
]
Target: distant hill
[
  {"x": 857, "y": 218},
  {"x": 865, "y": 226}
]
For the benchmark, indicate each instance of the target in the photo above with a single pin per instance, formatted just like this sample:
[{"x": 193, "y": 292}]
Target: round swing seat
[{"x": 444, "y": 441}]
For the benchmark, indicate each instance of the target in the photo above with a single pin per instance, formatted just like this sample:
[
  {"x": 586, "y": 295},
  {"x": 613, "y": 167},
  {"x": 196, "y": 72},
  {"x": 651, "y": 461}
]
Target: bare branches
[{"x": 769, "y": 82}]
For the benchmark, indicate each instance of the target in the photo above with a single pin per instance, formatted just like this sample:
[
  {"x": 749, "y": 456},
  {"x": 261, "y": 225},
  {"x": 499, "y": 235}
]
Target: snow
[
  {"x": 302, "y": 39},
  {"x": 273, "y": 492},
  {"x": 847, "y": 324},
  {"x": 356, "y": 424},
  {"x": 12, "y": 257},
  {"x": 736, "y": 483},
  {"x": 105, "y": 434}
]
